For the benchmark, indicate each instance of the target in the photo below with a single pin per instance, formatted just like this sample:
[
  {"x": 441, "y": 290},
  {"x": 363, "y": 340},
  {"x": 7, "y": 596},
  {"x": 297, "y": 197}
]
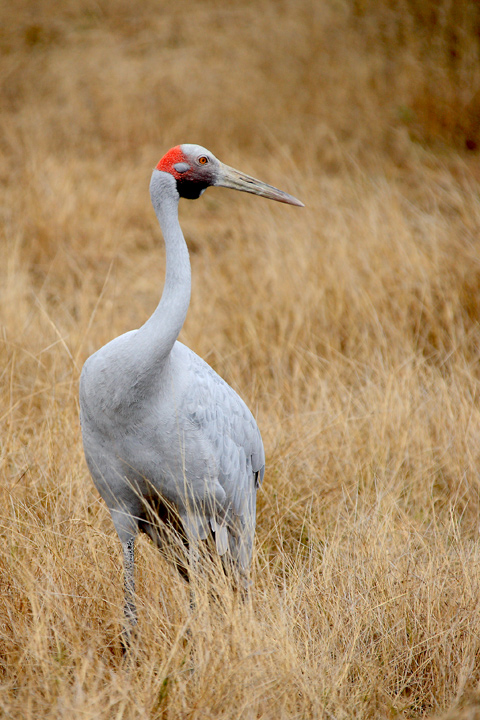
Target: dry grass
[{"x": 350, "y": 327}]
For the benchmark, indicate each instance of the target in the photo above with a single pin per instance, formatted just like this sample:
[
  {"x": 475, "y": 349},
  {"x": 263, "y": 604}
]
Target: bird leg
[
  {"x": 130, "y": 610},
  {"x": 193, "y": 564}
]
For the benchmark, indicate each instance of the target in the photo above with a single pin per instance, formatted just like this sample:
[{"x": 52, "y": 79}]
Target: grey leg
[{"x": 130, "y": 610}]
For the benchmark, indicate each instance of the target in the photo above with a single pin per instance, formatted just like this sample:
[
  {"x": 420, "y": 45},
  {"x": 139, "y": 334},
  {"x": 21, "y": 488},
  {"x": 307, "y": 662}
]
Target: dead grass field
[{"x": 350, "y": 328}]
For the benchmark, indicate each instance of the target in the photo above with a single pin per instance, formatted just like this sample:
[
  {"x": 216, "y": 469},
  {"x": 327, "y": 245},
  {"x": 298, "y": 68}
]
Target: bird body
[
  {"x": 160, "y": 428},
  {"x": 185, "y": 434}
]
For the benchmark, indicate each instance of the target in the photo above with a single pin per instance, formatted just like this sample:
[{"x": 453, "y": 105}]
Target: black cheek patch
[{"x": 190, "y": 190}]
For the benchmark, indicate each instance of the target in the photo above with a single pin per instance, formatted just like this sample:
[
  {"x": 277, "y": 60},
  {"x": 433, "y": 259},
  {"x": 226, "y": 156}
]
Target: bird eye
[{"x": 203, "y": 160}]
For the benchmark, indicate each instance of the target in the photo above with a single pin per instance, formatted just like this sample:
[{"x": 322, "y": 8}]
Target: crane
[{"x": 167, "y": 441}]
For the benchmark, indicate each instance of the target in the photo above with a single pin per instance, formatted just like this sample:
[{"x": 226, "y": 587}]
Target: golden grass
[{"x": 350, "y": 327}]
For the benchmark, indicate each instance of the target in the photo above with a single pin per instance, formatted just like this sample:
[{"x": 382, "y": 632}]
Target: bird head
[{"x": 195, "y": 168}]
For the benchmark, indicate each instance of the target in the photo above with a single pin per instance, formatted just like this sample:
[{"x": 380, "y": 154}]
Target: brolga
[{"x": 168, "y": 442}]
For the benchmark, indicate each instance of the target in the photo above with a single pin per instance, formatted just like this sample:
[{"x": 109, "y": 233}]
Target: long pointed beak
[{"x": 230, "y": 178}]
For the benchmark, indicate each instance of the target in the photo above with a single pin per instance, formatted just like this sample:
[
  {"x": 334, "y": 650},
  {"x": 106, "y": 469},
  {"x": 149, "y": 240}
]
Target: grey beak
[{"x": 230, "y": 178}]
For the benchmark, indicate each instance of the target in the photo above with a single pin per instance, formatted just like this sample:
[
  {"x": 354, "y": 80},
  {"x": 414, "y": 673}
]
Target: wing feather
[{"x": 234, "y": 441}]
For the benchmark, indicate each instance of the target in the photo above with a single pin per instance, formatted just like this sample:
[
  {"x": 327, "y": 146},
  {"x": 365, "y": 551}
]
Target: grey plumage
[{"x": 164, "y": 436}]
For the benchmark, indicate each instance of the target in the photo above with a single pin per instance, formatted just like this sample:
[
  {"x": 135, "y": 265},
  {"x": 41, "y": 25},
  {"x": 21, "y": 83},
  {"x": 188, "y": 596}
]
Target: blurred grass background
[{"x": 350, "y": 327}]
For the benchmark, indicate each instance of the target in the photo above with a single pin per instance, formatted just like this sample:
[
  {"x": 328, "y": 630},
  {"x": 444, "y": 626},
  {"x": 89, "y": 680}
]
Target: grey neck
[{"x": 158, "y": 335}]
